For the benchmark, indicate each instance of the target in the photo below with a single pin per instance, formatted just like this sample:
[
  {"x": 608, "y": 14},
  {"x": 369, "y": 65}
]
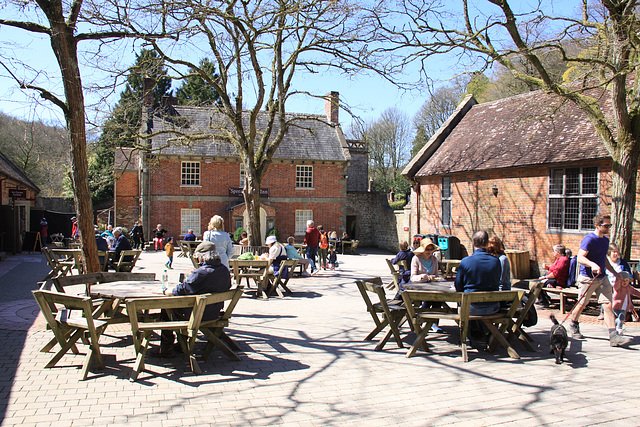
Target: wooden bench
[{"x": 565, "y": 295}]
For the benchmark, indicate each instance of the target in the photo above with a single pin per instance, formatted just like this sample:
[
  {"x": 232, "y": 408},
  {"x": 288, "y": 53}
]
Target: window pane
[
  {"x": 572, "y": 181},
  {"x": 590, "y": 181},
  {"x": 190, "y": 219},
  {"x": 571, "y": 214},
  {"x": 589, "y": 210},
  {"x": 304, "y": 176},
  {"x": 190, "y": 173},
  {"x": 446, "y": 187},
  {"x": 555, "y": 181},
  {"x": 446, "y": 213},
  {"x": 555, "y": 213},
  {"x": 302, "y": 216}
]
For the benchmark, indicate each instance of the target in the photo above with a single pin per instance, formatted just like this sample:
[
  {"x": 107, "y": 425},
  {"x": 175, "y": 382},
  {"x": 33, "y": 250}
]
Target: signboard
[
  {"x": 17, "y": 194},
  {"x": 237, "y": 192}
]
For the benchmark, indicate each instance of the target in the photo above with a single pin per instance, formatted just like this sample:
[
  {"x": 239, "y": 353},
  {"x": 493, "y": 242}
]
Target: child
[
  {"x": 622, "y": 291},
  {"x": 333, "y": 257},
  {"x": 169, "y": 249}
]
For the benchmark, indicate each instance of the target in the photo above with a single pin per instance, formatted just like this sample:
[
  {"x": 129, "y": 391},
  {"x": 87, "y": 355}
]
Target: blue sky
[{"x": 367, "y": 95}]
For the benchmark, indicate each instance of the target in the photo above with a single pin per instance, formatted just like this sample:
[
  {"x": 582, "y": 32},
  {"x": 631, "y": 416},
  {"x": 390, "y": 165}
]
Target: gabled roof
[
  {"x": 310, "y": 137},
  {"x": 535, "y": 128},
  {"x": 8, "y": 169}
]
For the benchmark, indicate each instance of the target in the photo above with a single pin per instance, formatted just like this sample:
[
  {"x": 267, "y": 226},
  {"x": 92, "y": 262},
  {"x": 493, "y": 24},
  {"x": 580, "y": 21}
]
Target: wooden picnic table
[
  {"x": 449, "y": 265},
  {"x": 115, "y": 294},
  {"x": 256, "y": 269}
]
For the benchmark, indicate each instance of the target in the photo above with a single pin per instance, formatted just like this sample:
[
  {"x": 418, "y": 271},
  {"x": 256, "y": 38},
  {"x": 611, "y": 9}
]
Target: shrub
[
  {"x": 398, "y": 205},
  {"x": 237, "y": 234},
  {"x": 274, "y": 232}
]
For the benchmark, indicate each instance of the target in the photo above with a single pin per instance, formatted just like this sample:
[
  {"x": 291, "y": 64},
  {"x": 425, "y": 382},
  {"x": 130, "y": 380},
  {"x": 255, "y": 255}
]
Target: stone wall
[{"x": 377, "y": 225}]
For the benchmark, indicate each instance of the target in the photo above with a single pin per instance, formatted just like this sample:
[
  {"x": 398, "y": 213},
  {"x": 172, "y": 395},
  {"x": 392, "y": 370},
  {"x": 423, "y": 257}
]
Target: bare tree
[
  {"x": 388, "y": 144},
  {"x": 492, "y": 31},
  {"x": 258, "y": 48},
  {"x": 59, "y": 21}
]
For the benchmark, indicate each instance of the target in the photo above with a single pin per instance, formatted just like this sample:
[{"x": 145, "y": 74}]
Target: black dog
[{"x": 558, "y": 340}]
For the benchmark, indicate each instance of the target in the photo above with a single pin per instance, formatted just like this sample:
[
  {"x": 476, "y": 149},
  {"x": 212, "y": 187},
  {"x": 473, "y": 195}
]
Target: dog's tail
[{"x": 553, "y": 319}]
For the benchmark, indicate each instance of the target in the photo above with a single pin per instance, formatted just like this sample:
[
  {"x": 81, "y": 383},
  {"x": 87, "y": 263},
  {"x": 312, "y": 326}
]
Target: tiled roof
[
  {"x": 309, "y": 138},
  {"x": 8, "y": 169},
  {"x": 531, "y": 129},
  {"x": 127, "y": 159}
]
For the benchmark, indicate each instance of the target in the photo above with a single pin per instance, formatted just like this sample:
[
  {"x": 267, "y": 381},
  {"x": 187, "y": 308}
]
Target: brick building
[
  {"x": 17, "y": 198},
  {"x": 529, "y": 169},
  {"x": 182, "y": 186}
]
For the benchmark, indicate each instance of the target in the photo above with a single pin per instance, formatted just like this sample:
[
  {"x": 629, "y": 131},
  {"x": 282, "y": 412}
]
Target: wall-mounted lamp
[{"x": 494, "y": 190}]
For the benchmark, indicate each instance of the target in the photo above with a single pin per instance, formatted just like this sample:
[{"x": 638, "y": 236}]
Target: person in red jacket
[
  {"x": 312, "y": 240},
  {"x": 557, "y": 274}
]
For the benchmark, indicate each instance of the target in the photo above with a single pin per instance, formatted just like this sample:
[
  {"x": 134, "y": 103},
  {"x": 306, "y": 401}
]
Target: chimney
[
  {"x": 147, "y": 92},
  {"x": 331, "y": 106}
]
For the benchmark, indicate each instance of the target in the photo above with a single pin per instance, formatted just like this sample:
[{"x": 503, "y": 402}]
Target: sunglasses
[{"x": 605, "y": 225}]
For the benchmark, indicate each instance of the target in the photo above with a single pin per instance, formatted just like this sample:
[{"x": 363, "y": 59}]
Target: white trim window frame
[
  {"x": 445, "y": 199},
  {"x": 190, "y": 174},
  {"x": 302, "y": 216},
  {"x": 189, "y": 220},
  {"x": 304, "y": 177},
  {"x": 573, "y": 198}
]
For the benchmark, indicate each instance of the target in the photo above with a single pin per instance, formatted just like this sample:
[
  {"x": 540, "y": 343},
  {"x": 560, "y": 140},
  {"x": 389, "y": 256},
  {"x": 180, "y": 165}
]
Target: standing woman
[
  {"x": 424, "y": 265},
  {"x": 158, "y": 240},
  {"x": 220, "y": 238},
  {"x": 496, "y": 248}
]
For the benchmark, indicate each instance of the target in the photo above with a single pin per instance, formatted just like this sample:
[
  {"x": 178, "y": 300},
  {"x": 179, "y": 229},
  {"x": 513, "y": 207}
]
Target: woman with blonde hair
[{"x": 216, "y": 235}]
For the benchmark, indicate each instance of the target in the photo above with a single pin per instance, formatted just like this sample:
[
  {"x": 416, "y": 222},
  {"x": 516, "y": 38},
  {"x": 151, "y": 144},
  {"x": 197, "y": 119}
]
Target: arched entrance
[{"x": 263, "y": 223}]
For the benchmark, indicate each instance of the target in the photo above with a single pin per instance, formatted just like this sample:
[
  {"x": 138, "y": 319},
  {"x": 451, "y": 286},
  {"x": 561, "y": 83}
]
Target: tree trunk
[
  {"x": 623, "y": 193},
  {"x": 252, "y": 204},
  {"x": 64, "y": 47}
]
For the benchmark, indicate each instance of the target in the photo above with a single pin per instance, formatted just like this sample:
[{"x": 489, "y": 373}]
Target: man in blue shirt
[
  {"x": 593, "y": 261},
  {"x": 479, "y": 272}
]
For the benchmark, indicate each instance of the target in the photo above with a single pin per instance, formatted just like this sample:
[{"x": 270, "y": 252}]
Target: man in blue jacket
[
  {"x": 479, "y": 272},
  {"x": 211, "y": 277}
]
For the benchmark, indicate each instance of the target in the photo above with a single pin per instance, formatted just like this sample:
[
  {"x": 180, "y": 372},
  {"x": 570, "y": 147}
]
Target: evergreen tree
[
  {"x": 124, "y": 122},
  {"x": 198, "y": 91}
]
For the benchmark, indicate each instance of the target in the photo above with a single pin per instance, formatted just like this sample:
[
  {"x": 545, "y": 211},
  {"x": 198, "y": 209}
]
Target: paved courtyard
[{"x": 304, "y": 363}]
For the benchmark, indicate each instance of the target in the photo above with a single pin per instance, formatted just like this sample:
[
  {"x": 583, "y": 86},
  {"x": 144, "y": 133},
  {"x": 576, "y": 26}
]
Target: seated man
[
  {"x": 292, "y": 253},
  {"x": 211, "y": 277},
  {"x": 405, "y": 254},
  {"x": 102, "y": 245},
  {"x": 190, "y": 237},
  {"x": 557, "y": 274},
  {"x": 121, "y": 244},
  {"x": 479, "y": 272}
]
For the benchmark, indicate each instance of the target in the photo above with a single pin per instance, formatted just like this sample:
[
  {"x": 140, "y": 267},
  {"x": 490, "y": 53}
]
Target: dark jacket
[
  {"x": 478, "y": 272},
  {"x": 405, "y": 255},
  {"x": 190, "y": 237},
  {"x": 212, "y": 277},
  {"x": 122, "y": 244}
]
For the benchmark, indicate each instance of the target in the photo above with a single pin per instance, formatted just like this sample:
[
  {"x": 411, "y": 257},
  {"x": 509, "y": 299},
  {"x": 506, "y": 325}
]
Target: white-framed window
[
  {"x": 573, "y": 198},
  {"x": 242, "y": 175},
  {"x": 189, "y": 220},
  {"x": 445, "y": 198},
  {"x": 190, "y": 174},
  {"x": 304, "y": 176},
  {"x": 302, "y": 216}
]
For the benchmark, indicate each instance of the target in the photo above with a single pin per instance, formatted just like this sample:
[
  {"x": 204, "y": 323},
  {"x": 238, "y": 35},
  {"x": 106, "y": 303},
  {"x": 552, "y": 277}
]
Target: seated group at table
[{"x": 120, "y": 243}]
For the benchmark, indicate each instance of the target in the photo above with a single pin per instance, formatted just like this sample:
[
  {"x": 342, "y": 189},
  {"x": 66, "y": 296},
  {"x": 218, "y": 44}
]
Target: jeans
[
  {"x": 620, "y": 316},
  {"x": 311, "y": 255}
]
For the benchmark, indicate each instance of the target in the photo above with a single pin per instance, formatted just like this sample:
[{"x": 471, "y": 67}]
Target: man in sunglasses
[{"x": 593, "y": 261}]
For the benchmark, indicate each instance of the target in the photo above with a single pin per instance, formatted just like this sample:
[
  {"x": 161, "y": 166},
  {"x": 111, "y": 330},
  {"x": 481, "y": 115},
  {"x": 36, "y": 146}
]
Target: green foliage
[
  {"x": 478, "y": 85},
  {"x": 399, "y": 185},
  {"x": 237, "y": 235},
  {"x": 198, "y": 90},
  {"x": 274, "y": 232},
  {"x": 397, "y": 205},
  {"x": 124, "y": 122}
]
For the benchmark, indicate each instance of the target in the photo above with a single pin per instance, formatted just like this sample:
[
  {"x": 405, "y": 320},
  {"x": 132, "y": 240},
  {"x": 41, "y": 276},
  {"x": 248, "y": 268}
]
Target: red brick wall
[
  {"x": 326, "y": 199},
  {"x": 518, "y": 214},
  {"x": 127, "y": 200}
]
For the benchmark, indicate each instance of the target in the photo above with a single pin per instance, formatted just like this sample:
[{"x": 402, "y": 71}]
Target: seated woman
[
  {"x": 424, "y": 268},
  {"x": 424, "y": 265},
  {"x": 557, "y": 274},
  {"x": 277, "y": 254},
  {"x": 496, "y": 248}
]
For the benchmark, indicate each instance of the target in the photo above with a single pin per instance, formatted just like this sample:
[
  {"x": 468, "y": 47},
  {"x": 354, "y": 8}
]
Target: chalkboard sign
[{"x": 31, "y": 242}]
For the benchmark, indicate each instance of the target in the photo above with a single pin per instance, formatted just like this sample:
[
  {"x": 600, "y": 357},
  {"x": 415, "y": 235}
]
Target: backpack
[
  {"x": 573, "y": 266},
  {"x": 324, "y": 242}
]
